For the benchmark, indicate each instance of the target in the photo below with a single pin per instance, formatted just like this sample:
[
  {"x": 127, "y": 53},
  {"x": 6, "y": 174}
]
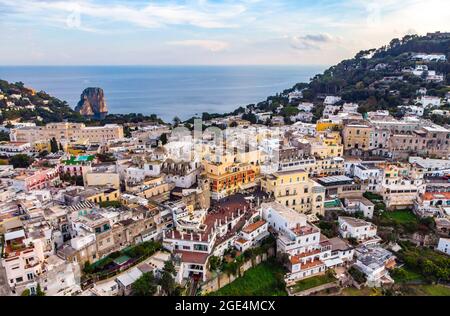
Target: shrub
[{"x": 357, "y": 275}]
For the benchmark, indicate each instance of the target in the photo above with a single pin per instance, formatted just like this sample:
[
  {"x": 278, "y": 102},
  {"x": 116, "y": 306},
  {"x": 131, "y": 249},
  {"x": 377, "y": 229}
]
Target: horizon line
[{"x": 167, "y": 65}]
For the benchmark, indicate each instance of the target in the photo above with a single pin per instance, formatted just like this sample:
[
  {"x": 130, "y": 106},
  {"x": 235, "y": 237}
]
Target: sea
[{"x": 166, "y": 91}]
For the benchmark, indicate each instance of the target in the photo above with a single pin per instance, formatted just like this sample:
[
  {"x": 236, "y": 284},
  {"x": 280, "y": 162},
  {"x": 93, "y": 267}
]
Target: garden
[
  {"x": 266, "y": 279},
  {"x": 313, "y": 282},
  {"x": 431, "y": 265}
]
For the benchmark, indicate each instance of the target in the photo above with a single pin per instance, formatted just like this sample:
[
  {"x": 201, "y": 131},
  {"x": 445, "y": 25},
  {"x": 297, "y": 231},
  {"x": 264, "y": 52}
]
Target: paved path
[{"x": 4, "y": 287}]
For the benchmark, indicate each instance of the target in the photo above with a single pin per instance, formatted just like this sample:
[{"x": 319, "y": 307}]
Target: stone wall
[{"x": 223, "y": 279}]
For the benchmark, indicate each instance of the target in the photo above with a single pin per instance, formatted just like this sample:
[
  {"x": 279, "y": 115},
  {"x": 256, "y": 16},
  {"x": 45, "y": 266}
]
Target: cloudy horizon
[{"x": 202, "y": 32}]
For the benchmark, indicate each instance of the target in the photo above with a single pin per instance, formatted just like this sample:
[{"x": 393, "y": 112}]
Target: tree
[
  {"x": 169, "y": 267},
  {"x": 39, "y": 291},
  {"x": 43, "y": 153},
  {"x": 61, "y": 147},
  {"x": 145, "y": 285},
  {"x": 167, "y": 281},
  {"x": 127, "y": 132},
  {"x": 53, "y": 145},
  {"x": 21, "y": 161},
  {"x": 163, "y": 139},
  {"x": 26, "y": 292},
  {"x": 4, "y": 136},
  {"x": 176, "y": 121},
  {"x": 251, "y": 117},
  {"x": 214, "y": 263}
]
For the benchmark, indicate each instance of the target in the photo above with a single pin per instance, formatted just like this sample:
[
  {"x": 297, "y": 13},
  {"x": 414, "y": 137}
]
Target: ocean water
[{"x": 167, "y": 91}]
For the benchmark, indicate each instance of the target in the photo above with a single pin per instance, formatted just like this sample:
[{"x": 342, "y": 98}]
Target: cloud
[
  {"x": 199, "y": 13},
  {"x": 310, "y": 41},
  {"x": 210, "y": 45}
]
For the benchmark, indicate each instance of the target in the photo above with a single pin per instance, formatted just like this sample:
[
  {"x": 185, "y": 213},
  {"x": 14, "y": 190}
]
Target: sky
[{"x": 207, "y": 32}]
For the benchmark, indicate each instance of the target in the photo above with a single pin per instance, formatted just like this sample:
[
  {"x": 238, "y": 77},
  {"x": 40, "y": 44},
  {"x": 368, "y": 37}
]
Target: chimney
[
  {"x": 173, "y": 234},
  {"x": 192, "y": 236}
]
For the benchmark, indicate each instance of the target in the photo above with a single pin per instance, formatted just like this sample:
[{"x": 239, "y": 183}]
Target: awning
[
  {"x": 14, "y": 235},
  {"x": 333, "y": 262}
]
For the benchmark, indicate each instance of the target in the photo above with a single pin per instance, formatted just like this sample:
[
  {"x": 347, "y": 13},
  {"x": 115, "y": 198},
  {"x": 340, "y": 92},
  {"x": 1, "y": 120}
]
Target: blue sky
[{"x": 214, "y": 32}]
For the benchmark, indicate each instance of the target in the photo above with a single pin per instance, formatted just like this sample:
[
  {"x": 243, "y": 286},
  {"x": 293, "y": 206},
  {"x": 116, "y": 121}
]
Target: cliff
[{"x": 92, "y": 103}]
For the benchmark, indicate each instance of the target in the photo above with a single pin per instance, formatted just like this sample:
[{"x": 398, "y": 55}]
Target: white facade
[
  {"x": 331, "y": 100},
  {"x": 350, "y": 227},
  {"x": 429, "y": 101},
  {"x": 444, "y": 245}
]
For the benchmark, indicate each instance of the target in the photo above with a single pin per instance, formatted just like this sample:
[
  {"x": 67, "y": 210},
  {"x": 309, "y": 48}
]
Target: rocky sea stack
[{"x": 92, "y": 103}]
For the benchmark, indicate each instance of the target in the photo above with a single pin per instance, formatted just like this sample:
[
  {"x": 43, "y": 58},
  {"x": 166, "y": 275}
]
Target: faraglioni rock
[{"x": 92, "y": 103}]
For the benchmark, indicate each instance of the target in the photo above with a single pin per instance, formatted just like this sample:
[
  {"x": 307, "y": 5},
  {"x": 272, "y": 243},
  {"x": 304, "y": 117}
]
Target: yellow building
[
  {"x": 295, "y": 190},
  {"x": 104, "y": 195},
  {"x": 327, "y": 145},
  {"x": 228, "y": 177},
  {"x": 78, "y": 147},
  {"x": 152, "y": 188},
  {"x": 357, "y": 136},
  {"x": 42, "y": 145},
  {"x": 66, "y": 132},
  {"x": 102, "y": 179},
  {"x": 326, "y": 124}
]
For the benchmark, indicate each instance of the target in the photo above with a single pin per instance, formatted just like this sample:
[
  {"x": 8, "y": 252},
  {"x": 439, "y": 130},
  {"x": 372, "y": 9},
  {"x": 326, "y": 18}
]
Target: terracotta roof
[
  {"x": 427, "y": 196},
  {"x": 252, "y": 227},
  {"x": 193, "y": 257},
  {"x": 311, "y": 264},
  {"x": 296, "y": 259},
  {"x": 241, "y": 240}
]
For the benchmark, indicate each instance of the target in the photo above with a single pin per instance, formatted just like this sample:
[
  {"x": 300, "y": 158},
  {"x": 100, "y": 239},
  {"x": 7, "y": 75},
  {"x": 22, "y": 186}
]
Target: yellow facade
[
  {"x": 357, "y": 137},
  {"x": 41, "y": 146},
  {"x": 105, "y": 196},
  {"x": 65, "y": 132},
  {"x": 102, "y": 179},
  {"x": 327, "y": 125},
  {"x": 229, "y": 177},
  {"x": 294, "y": 189}
]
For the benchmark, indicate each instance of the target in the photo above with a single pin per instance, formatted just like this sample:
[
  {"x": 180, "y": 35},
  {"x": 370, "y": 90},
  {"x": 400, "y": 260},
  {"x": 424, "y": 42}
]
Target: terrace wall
[{"x": 223, "y": 279}]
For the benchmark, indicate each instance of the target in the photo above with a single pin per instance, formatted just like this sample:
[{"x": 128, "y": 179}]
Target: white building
[
  {"x": 13, "y": 148},
  {"x": 444, "y": 245},
  {"x": 305, "y": 106},
  {"x": 362, "y": 231},
  {"x": 413, "y": 109},
  {"x": 300, "y": 240},
  {"x": 375, "y": 262},
  {"x": 331, "y": 109},
  {"x": 350, "y": 108},
  {"x": 330, "y": 100},
  {"x": 251, "y": 235},
  {"x": 360, "y": 204},
  {"x": 369, "y": 174},
  {"x": 430, "y": 57},
  {"x": 429, "y": 101}
]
